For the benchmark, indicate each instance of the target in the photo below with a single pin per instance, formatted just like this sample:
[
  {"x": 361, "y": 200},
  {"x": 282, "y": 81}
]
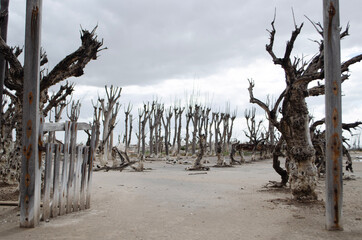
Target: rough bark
[
  {"x": 197, "y": 165},
  {"x": 166, "y": 125},
  {"x": 187, "y": 138}
]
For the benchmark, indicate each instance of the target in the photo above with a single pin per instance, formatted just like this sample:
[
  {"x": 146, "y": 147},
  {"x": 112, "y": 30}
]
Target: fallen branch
[{"x": 120, "y": 167}]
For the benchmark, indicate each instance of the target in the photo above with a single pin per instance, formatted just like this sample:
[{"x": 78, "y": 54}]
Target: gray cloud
[{"x": 150, "y": 41}]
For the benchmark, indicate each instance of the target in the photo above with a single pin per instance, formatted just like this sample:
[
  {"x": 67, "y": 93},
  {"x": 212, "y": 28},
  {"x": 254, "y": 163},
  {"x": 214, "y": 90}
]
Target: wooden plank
[
  {"x": 83, "y": 178},
  {"x": 59, "y": 126},
  {"x": 56, "y": 195},
  {"x": 47, "y": 180},
  {"x": 333, "y": 119},
  {"x": 70, "y": 184},
  {"x": 77, "y": 177},
  {"x": 65, "y": 169},
  {"x": 30, "y": 167},
  {"x": 53, "y": 127},
  {"x": 90, "y": 166}
]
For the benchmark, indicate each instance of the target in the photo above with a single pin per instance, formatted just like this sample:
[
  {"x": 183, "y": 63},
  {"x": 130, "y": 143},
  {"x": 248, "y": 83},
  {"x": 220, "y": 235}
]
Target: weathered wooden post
[
  {"x": 332, "y": 69},
  {"x": 4, "y": 31},
  {"x": 31, "y": 160}
]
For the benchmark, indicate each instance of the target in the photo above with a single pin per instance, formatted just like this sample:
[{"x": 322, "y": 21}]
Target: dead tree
[
  {"x": 197, "y": 165},
  {"x": 128, "y": 118},
  {"x": 175, "y": 110},
  {"x": 195, "y": 121},
  {"x": 71, "y": 66},
  {"x": 236, "y": 147},
  {"x": 210, "y": 145},
  {"x": 188, "y": 120},
  {"x": 319, "y": 143},
  {"x": 294, "y": 123},
  {"x": 204, "y": 123},
  {"x": 254, "y": 132},
  {"x": 97, "y": 112},
  {"x": 142, "y": 131},
  {"x": 74, "y": 112},
  {"x": 230, "y": 130},
  {"x": 158, "y": 113},
  {"x": 166, "y": 125},
  {"x": 109, "y": 111},
  {"x": 151, "y": 127},
  {"x": 140, "y": 115},
  {"x": 225, "y": 131},
  {"x": 178, "y": 139}
]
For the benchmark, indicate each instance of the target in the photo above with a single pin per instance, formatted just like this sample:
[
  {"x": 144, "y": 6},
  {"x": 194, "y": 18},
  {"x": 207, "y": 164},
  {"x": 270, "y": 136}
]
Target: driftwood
[{"x": 116, "y": 168}]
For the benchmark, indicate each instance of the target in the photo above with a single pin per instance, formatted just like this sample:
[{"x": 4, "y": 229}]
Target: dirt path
[{"x": 168, "y": 203}]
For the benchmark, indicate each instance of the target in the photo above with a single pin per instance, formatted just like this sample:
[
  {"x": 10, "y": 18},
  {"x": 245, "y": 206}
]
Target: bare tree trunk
[
  {"x": 300, "y": 150},
  {"x": 179, "y": 131},
  {"x": 197, "y": 165},
  {"x": 151, "y": 127},
  {"x": 158, "y": 115},
  {"x": 230, "y": 130},
  {"x": 225, "y": 131},
  {"x": 127, "y": 134},
  {"x": 187, "y": 138},
  {"x": 143, "y": 130},
  {"x": 175, "y": 109},
  {"x": 166, "y": 125},
  {"x": 211, "y": 146},
  {"x": 195, "y": 121},
  {"x": 130, "y": 131},
  {"x": 113, "y": 94},
  {"x": 140, "y": 114}
]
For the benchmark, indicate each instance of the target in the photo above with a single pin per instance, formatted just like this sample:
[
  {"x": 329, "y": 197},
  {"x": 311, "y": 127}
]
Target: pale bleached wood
[
  {"x": 90, "y": 166},
  {"x": 56, "y": 195},
  {"x": 47, "y": 180},
  {"x": 60, "y": 126},
  {"x": 30, "y": 181},
  {"x": 65, "y": 169},
  {"x": 3, "y": 32},
  {"x": 77, "y": 178},
  {"x": 333, "y": 120},
  {"x": 83, "y": 178},
  {"x": 70, "y": 185}
]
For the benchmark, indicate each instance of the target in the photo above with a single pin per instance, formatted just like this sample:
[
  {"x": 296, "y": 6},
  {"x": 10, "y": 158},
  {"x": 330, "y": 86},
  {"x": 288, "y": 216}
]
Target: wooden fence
[{"x": 67, "y": 177}]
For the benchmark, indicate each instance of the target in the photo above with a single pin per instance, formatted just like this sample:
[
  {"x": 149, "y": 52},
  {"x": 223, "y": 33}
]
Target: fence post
[
  {"x": 4, "y": 31},
  {"x": 332, "y": 69},
  {"x": 91, "y": 158},
  {"x": 31, "y": 161}
]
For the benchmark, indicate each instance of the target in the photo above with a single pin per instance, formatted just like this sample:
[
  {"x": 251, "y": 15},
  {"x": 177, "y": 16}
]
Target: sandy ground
[{"x": 169, "y": 203}]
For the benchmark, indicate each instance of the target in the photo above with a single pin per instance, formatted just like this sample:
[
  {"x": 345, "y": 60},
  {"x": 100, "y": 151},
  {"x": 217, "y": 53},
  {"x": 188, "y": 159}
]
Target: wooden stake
[
  {"x": 332, "y": 69},
  {"x": 4, "y": 31},
  {"x": 31, "y": 160}
]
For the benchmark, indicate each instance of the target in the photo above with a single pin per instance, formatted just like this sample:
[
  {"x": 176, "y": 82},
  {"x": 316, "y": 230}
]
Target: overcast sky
[{"x": 167, "y": 49}]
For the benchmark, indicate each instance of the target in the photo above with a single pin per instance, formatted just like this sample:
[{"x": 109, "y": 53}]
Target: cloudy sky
[{"x": 167, "y": 49}]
